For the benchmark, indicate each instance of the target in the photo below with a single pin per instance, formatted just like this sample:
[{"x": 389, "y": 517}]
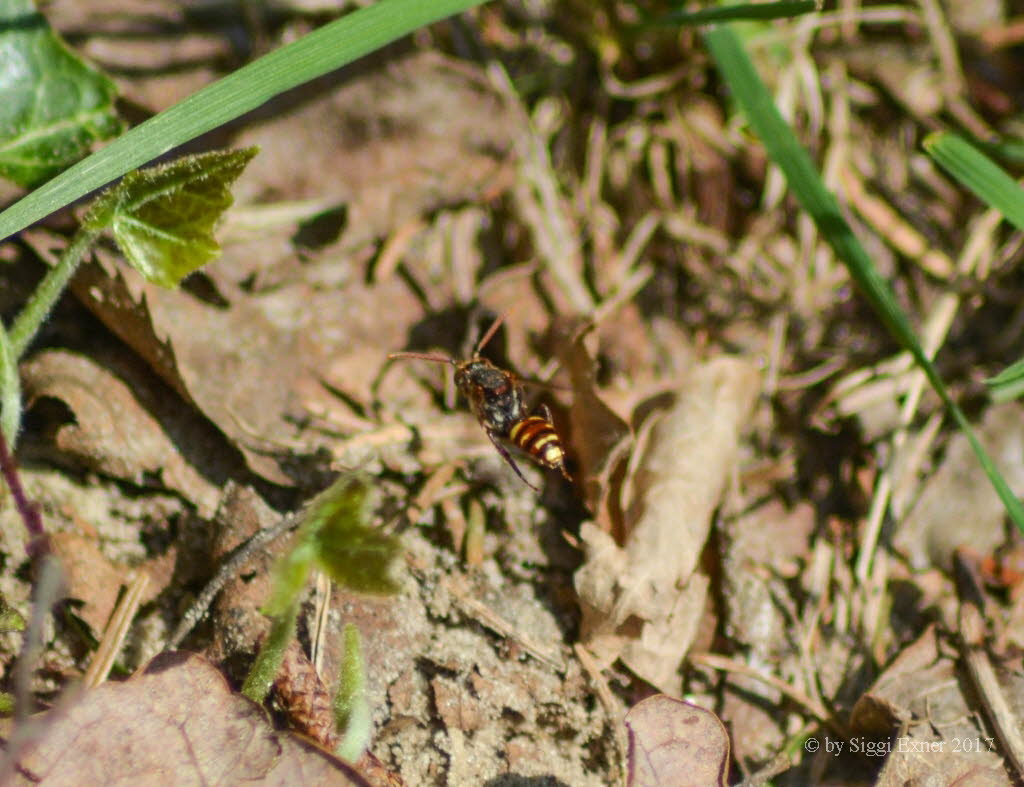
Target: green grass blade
[
  {"x": 978, "y": 173},
  {"x": 742, "y": 11},
  {"x": 1008, "y": 384},
  {"x": 803, "y": 179},
  {"x": 326, "y": 49}
]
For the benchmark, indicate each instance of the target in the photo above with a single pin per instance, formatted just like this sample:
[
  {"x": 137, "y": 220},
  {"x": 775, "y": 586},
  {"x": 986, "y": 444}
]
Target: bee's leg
[{"x": 508, "y": 458}]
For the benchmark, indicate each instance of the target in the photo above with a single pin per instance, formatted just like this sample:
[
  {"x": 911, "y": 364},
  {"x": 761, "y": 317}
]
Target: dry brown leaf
[
  {"x": 123, "y": 427},
  {"x": 674, "y": 742},
  {"x": 175, "y": 722},
  {"x": 395, "y": 138},
  {"x": 237, "y": 622},
  {"x": 958, "y": 505},
  {"x": 600, "y": 438},
  {"x": 642, "y": 602},
  {"x": 88, "y": 577},
  {"x": 923, "y": 683},
  {"x": 457, "y": 707},
  {"x": 760, "y": 549},
  {"x": 344, "y": 337},
  {"x": 232, "y": 364}
]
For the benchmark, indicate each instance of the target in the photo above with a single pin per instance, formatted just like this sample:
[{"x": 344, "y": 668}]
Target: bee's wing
[{"x": 529, "y": 382}]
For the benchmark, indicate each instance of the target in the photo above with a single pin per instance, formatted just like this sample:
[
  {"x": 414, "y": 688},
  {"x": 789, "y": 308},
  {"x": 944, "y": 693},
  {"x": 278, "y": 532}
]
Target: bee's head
[{"x": 479, "y": 378}]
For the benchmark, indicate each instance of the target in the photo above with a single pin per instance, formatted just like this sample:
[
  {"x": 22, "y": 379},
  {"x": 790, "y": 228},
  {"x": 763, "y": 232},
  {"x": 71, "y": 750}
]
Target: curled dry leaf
[
  {"x": 122, "y": 426},
  {"x": 924, "y": 683},
  {"x": 642, "y": 601},
  {"x": 674, "y": 742},
  {"x": 174, "y": 722},
  {"x": 600, "y": 438},
  {"x": 88, "y": 576},
  {"x": 232, "y": 364}
]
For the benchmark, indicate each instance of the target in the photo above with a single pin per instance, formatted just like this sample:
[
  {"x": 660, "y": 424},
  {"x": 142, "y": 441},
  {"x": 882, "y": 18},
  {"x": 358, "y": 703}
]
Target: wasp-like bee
[{"x": 498, "y": 402}]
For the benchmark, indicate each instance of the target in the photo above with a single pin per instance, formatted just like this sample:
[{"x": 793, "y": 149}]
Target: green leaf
[
  {"x": 979, "y": 173},
  {"x": 360, "y": 560},
  {"x": 807, "y": 186},
  {"x": 335, "y": 535},
  {"x": 163, "y": 217},
  {"x": 1008, "y": 384},
  {"x": 350, "y": 551},
  {"x": 315, "y": 54},
  {"x": 290, "y": 575},
  {"x": 351, "y": 708},
  {"x": 54, "y": 104}
]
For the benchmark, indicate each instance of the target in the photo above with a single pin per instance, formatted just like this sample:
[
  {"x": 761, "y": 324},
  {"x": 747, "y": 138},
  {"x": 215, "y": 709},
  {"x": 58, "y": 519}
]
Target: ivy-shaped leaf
[
  {"x": 163, "y": 217},
  {"x": 335, "y": 535},
  {"x": 349, "y": 551},
  {"x": 359, "y": 559},
  {"x": 54, "y": 106},
  {"x": 291, "y": 572}
]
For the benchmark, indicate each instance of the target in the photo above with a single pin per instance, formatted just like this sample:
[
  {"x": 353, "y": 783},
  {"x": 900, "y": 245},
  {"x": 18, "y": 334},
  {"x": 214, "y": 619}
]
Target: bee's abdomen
[{"x": 537, "y": 436}]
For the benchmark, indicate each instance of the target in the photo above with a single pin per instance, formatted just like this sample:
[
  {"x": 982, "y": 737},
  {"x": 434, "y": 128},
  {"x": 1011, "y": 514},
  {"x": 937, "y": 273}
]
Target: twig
[
  {"x": 228, "y": 569},
  {"x": 1005, "y": 722},
  {"x": 321, "y": 618},
  {"x": 117, "y": 629},
  {"x": 812, "y": 706},
  {"x": 543, "y": 206},
  {"x": 487, "y": 617},
  {"x": 604, "y": 694}
]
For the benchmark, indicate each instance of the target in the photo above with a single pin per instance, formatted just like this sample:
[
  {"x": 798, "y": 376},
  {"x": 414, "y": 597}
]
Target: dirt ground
[{"x": 769, "y": 514}]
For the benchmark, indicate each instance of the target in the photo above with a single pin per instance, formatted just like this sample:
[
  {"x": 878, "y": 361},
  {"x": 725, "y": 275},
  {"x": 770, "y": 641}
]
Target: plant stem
[
  {"x": 29, "y": 510},
  {"x": 10, "y": 391},
  {"x": 44, "y": 595},
  {"x": 49, "y": 290},
  {"x": 351, "y": 709},
  {"x": 268, "y": 661}
]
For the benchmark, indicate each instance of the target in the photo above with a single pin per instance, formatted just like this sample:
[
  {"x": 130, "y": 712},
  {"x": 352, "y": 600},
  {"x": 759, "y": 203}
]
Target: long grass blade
[
  {"x": 786, "y": 151},
  {"x": 740, "y": 11},
  {"x": 979, "y": 173},
  {"x": 324, "y": 50}
]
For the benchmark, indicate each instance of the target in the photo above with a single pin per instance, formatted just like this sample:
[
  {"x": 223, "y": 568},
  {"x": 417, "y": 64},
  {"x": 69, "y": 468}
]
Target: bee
[{"x": 498, "y": 401}]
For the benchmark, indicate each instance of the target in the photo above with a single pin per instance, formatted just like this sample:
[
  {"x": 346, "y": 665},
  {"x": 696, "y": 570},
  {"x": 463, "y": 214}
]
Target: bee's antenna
[
  {"x": 423, "y": 357},
  {"x": 489, "y": 335}
]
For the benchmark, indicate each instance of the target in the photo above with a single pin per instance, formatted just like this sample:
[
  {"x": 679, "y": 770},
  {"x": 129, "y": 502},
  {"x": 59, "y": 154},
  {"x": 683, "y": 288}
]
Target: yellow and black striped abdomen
[{"x": 537, "y": 436}]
